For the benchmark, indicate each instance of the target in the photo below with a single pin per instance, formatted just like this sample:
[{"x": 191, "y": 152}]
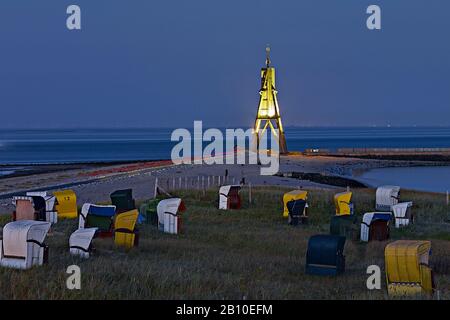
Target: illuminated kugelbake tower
[{"x": 268, "y": 114}]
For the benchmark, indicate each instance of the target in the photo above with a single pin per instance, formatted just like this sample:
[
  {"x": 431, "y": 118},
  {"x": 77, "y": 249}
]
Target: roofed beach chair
[
  {"x": 375, "y": 226},
  {"x": 345, "y": 226},
  {"x": 66, "y": 204},
  {"x": 403, "y": 214},
  {"x": 386, "y": 197},
  {"x": 22, "y": 246},
  {"x": 297, "y": 212},
  {"x": 50, "y": 213},
  {"x": 97, "y": 216},
  {"x": 407, "y": 268},
  {"x": 343, "y": 204},
  {"x": 169, "y": 215},
  {"x": 294, "y": 195},
  {"x": 125, "y": 231},
  {"x": 325, "y": 255},
  {"x": 123, "y": 200},
  {"x": 148, "y": 212},
  {"x": 229, "y": 197},
  {"x": 80, "y": 242}
]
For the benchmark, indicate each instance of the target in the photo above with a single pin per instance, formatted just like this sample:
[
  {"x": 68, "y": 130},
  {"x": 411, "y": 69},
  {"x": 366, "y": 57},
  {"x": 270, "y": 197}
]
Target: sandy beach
[{"x": 94, "y": 183}]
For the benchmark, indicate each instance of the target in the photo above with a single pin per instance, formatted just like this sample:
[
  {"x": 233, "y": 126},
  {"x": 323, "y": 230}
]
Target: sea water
[
  {"x": 433, "y": 179},
  {"x": 103, "y": 145}
]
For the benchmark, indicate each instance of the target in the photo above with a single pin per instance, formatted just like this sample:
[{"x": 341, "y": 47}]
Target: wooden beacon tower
[{"x": 268, "y": 114}]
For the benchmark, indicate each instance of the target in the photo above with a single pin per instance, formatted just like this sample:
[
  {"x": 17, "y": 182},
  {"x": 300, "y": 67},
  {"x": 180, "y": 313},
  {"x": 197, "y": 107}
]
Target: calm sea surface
[
  {"x": 434, "y": 179},
  {"x": 87, "y": 145}
]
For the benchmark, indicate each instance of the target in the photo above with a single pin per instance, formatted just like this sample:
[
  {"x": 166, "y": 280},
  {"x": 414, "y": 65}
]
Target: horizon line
[{"x": 220, "y": 127}]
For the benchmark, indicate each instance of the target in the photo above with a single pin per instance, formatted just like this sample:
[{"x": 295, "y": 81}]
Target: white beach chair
[
  {"x": 23, "y": 245},
  {"x": 386, "y": 197},
  {"x": 80, "y": 242},
  {"x": 168, "y": 215},
  {"x": 402, "y": 213},
  {"x": 368, "y": 218},
  {"x": 229, "y": 197},
  {"x": 50, "y": 213}
]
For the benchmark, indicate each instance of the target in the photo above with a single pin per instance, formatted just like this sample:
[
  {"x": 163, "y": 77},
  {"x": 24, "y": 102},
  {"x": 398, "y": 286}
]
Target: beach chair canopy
[
  {"x": 386, "y": 197},
  {"x": 97, "y": 216},
  {"x": 23, "y": 245},
  {"x": 50, "y": 200},
  {"x": 345, "y": 226},
  {"x": 80, "y": 242},
  {"x": 407, "y": 267},
  {"x": 293, "y": 195},
  {"x": 325, "y": 255},
  {"x": 297, "y": 213},
  {"x": 343, "y": 204},
  {"x": 169, "y": 216},
  {"x": 123, "y": 200},
  {"x": 403, "y": 214},
  {"x": 375, "y": 226},
  {"x": 229, "y": 197},
  {"x": 66, "y": 204},
  {"x": 125, "y": 232}
]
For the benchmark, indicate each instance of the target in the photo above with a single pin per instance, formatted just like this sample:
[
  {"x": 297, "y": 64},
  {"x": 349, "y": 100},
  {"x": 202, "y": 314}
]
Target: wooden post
[
  {"x": 203, "y": 186},
  {"x": 208, "y": 182},
  {"x": 156, "y": 188},
  {"x": 219, "y": 180},
  {"x": 234, "y": 180},
  {"x": 173, "y": 183},
  {"x": 181, "y": 185},
  {"x": 213, "y": 180},
  {"x": 198, "y": 182},
  {"x": 348, "y": 189}
]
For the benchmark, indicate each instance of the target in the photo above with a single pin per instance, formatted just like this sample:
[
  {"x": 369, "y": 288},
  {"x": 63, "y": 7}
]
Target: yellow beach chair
[
  {"x": 407, "y": 270},
  {"x": 66, "y": 204},
  {"x": 342, "y": 202},
  {"x": 125, "y": 233},
  {"x": 294, "y": 195}
]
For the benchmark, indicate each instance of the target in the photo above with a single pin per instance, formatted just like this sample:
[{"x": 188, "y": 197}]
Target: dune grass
[{"x": 245, "y": 254}]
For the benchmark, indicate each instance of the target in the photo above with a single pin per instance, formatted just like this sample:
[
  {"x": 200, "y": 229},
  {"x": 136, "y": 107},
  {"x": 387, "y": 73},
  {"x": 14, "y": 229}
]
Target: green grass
[{"x": 250, "y": 253}]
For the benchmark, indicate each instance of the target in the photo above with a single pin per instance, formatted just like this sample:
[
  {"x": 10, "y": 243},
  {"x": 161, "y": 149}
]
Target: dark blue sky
[{"x": 167, "y": 63}]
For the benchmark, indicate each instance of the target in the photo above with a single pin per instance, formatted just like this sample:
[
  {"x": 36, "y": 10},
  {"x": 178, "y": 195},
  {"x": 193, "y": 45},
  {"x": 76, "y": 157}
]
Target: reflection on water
[{"x": 434, "y": 179}]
